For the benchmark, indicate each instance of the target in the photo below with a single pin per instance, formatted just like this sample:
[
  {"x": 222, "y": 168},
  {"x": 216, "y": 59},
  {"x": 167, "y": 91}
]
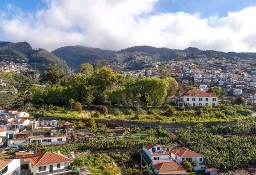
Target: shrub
[
  {"x": 187, "y": 165},
  {"x": 128, "y": 112},
  {"x": 104, "y": 110},
  {"x": 78, "y": 106},
  {"x": 170, "y": 111}
]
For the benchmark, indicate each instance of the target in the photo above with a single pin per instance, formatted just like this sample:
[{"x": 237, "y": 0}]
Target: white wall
[
  {"x": 23, "y": 114},
  {"x": 35, "y": 169},
  {"x": 3, "y": 134},
  {"x": 54, "y": 140},
  {"x": 197, "y": 102},
  {"x": 13, "y": 167},
  {"x": 179, "y": 160}
]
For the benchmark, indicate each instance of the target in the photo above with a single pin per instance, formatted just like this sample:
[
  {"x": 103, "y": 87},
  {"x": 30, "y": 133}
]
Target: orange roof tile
[
  {"x": 185, "y": 152},
  {"x": 198, "y": 93},
  {"x": 48, "y": 158},
  {"x": 150, "y": 145},
  {"x": 3, "y": 163},
  {"x": 169, "y": 168},
  {"x": 2, "y": 130}
]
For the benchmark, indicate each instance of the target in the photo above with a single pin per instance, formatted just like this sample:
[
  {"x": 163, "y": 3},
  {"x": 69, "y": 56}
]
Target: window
[
  {"x": 200, "y": 99},
  {"x": 187, "y": 99},
  {"x": 156, "y": 158},
  {"x": 59, "y": 139},
  {"x": 194, "y": 104},
  {"x": 189, "y": 159},
  {"x": 200, "y": 104},
  {"x": 158, "y": 148},
  {"x": 200, "y": 159},
  {"x": 46, "y": 140},
  {"x": 42, "y": 168},
  {"x": 4, "y": 170},
  {"x": 193, "y": 99},
  {"x": 214, "y": 99},
  {"x": 213, "y": 104},
  {"x": 206, "y": 99},
  {"x": 58, "y": 165}
]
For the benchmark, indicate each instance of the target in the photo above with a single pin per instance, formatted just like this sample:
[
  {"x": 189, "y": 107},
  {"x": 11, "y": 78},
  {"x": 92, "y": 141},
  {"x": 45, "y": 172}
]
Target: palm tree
[{"x": 253, "y": 92}]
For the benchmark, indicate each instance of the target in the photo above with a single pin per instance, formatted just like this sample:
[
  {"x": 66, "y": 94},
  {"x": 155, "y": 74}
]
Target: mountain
[
  {"x": 22, "y": 52},
  {"x": 137, "y": 57},
  {"x": 77, "y": 55}
]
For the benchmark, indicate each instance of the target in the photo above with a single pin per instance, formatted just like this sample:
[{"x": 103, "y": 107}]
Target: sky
[{"x": 224, "y": 25}]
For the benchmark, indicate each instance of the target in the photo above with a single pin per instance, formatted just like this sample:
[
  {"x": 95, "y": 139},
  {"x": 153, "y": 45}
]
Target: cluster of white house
[{"x": 168, "y": 160}]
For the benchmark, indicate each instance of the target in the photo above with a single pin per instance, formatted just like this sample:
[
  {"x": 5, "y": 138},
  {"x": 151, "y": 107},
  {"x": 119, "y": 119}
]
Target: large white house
[
  {"x": 49, "y": 163},
  {"x": 198, "y": 98},
  {"x": 180, "y": 154},
  {"x": 10, "y": 166}
]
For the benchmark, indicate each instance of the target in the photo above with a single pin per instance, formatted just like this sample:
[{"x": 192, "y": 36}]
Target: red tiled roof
[
  {"x": 48, "y": 158},
  {"x": 198, "y": 93},
  {"x": 185, "y": 152},
  {"x": 169, "y": 168},
  {"x": 2, "y": 130},
  {"x": 150, "y": 145},
  {"x": 3, "y": 163}
]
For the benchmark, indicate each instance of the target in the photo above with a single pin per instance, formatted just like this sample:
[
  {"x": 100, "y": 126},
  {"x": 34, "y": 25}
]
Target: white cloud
[{"x": 117, "y": 24}]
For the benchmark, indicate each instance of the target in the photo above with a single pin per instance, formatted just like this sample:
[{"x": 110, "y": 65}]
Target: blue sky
[
  {"x": 206, "y": 8},
  {"x": 117, "y": 24}
]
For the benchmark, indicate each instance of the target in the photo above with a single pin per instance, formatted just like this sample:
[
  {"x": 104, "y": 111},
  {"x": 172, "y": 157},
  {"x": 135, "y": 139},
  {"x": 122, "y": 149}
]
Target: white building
[
  {"x": 180, "y": 154},
  {"x": 49, "y": 163},
  {"x": 22, "y": 114},
  {"x": 2, "y": 132},
  {"x": 198, "y": 98},
  {"x": 237, "y": 92},
  {"x": 10, "y": 166},
  {"x": 57, "y": 140},
  {"x": 156, "y": 152},
  {"x": 203, "y": 87}
]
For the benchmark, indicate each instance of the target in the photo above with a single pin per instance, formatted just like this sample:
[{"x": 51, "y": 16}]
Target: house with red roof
[
  {"x": 2, "y": 132},
  {"x": 180, "y": 154},
  {"x": 156, "y": 152},
  {"x": 168, "y": 168},
  {"x": 198, "y": 98},
  {"x": 49, "y": 163},
  {"x": 10, "y": 166}
]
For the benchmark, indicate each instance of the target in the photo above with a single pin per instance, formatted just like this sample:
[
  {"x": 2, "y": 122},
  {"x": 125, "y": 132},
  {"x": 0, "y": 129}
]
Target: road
[{"x": 171, "y": 127}]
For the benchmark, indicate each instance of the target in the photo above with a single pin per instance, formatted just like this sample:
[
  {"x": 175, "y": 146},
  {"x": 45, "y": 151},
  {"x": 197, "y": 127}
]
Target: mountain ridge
[{"x": 136, "y": 55}]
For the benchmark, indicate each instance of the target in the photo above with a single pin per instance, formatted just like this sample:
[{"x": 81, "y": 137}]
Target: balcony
[{"x": 55, "y": 172}]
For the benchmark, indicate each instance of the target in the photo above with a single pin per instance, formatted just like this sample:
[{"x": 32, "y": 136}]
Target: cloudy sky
[{"x": 225, "y": 25}]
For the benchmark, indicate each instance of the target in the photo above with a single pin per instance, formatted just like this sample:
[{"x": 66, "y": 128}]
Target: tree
[
  {"x": 104, "y": 79},
  {"x": 104, "y": 110},
  {"x": 91, "y": 123},
  {"x": 53, "y": 74},
  {"x": 71, "y": 102},
  {"x": 253, "y": 92},
  {"x": 187, "y": 165},
  {"x": 149, "y": 91},
  {"x": 238, "y": 101},
  {"x": 173, "y": 87},
  {"x": 195, "y": 163},
  {"x": 86, "y": 69},
  {"x": 81, "y": 89},
  {"x": 78, "y": 106}
]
